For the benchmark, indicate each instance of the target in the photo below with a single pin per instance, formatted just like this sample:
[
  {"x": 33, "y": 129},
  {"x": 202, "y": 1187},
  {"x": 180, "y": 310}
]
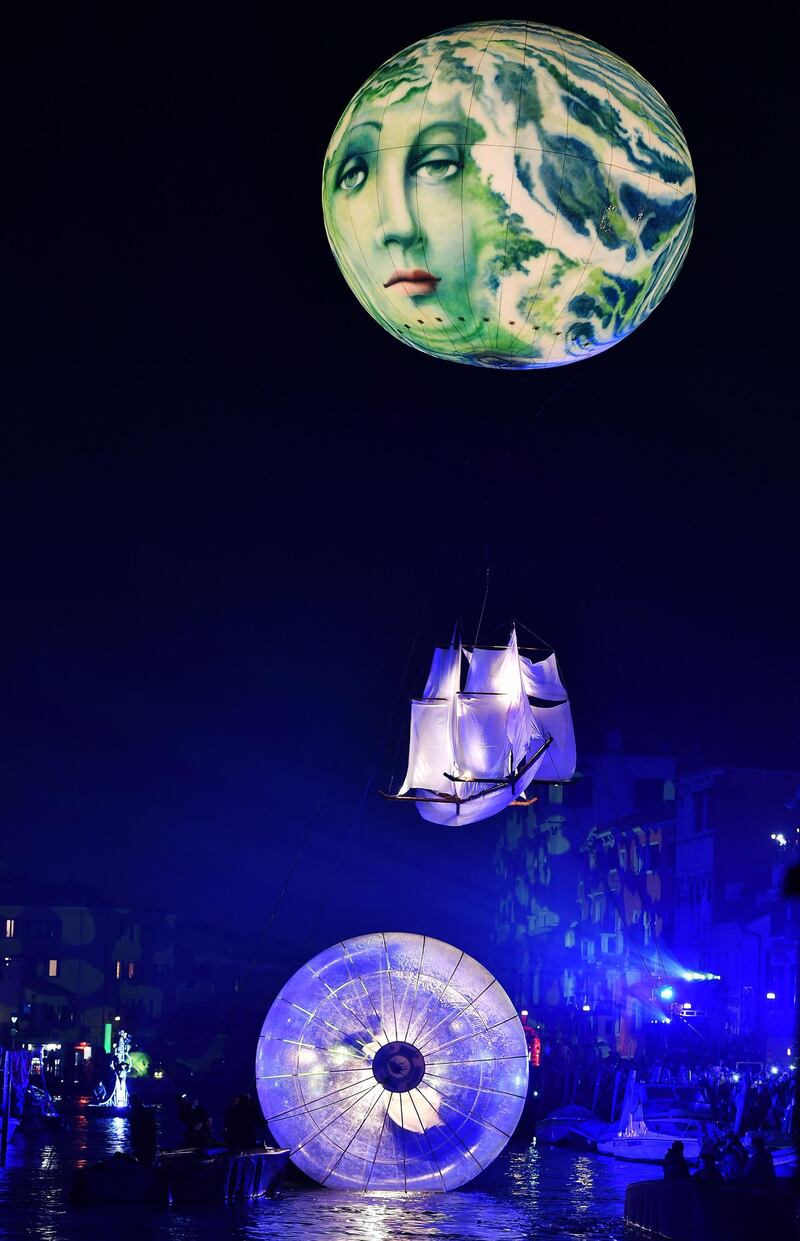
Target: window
[
  {"x": 118, "y": 970},
  {"x": 9, "y": 928},
  {"x": 556, "y": 793},
  {"x": 52, "y": 968},
  {"x": 131, "y": 969}
]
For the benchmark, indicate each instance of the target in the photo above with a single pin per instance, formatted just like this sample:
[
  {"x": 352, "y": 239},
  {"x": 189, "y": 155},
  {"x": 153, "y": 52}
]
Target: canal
[{"x": 528, "y": 1192}]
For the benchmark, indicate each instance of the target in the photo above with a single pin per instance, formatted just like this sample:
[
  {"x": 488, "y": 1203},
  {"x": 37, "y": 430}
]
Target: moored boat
[
  {"x": 572, "y": 1126},
  {"x": 216, "y": 1174}
]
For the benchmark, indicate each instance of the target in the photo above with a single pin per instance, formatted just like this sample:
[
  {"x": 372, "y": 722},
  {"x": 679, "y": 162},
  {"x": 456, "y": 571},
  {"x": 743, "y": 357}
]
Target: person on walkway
[
  {"x": 675, "y": 1166},
  {"x": 197, "y": 1122},
  {"x": 708, "y": 1173},
  {"x": 733, "y": 1159},
  {"x": 240, "y": 1124},
  {"x": 760, "y": 1169},
  {"x": 142, "y": 1128}
]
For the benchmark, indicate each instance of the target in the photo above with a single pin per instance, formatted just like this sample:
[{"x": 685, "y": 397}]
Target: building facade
[
  {"x": 586, "y": 904},
  {"x": 70, "y": 970},
  {"x": 73, "y": 971},
  {"x": 736, "y": 833}
]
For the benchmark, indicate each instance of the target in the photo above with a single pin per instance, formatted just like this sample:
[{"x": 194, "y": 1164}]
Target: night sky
[{"x": 237, "y": 514}]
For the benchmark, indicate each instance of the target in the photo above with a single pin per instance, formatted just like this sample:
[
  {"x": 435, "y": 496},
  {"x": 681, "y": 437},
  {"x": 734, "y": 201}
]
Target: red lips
[{"x": 413, "y": 276}]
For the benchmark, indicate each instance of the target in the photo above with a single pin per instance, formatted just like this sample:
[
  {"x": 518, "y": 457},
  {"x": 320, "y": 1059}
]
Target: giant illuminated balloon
[
  {"x": 392, "y": 1061},
  {"x": 508, "y": 194}
]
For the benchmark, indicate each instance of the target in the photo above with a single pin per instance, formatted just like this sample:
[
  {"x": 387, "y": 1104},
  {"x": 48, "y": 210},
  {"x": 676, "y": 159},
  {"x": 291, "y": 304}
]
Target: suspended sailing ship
[{"x": 475, "y": 749}]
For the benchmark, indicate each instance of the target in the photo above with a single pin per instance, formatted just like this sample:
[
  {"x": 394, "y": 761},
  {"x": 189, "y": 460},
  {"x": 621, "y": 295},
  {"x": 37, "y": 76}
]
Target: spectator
[
  {"x": 675, "y": 1166},
  {"x": 733, "y": 1159},
  {"x": 142, "y": 1128},
  {"x": 760, "y": 1169}
]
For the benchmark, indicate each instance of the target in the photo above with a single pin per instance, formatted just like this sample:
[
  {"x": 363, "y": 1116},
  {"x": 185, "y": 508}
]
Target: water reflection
[
  {"x": 583, "y": 1182},
  {"x": 534, "y": 1193}
]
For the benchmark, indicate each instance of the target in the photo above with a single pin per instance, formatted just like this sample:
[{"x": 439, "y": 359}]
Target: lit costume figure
[
  {"x": 509, "y": 195},
  {"x": 121, "y": 1064}
]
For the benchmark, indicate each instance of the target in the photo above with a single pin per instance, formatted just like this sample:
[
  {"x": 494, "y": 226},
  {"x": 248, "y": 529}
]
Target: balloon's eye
[
  {"x": 353, "y": 174},
  {"x": 437, "y": 164}
]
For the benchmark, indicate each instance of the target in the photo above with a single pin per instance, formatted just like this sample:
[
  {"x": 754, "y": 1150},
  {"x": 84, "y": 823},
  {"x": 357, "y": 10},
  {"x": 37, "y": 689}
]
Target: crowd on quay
[
  {"x": 742, "y": 1100},
  {"x": 743, "y": 1095},
  {"x": 728, "y": 1161},
  {"x": 243, "y": 1124}
]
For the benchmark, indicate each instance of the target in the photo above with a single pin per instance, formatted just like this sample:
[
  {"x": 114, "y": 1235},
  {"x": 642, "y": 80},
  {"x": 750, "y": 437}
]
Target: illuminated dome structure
[
  {"x": 392, "y": 1062},
  {"x": 508, "y": 194}
]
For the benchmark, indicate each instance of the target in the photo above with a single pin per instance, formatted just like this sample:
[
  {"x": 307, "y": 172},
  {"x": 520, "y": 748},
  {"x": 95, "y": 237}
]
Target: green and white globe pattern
[{"x": 508, "y": 194}]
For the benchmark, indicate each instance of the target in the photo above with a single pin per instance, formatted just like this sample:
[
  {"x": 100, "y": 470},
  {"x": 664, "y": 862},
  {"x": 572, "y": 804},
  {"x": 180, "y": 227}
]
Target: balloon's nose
[{"x": 398, "y": 224}]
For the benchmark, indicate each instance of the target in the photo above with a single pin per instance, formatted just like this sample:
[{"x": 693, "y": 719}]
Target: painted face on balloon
[
  {"x": 402, "y": 176},
  {"x": 507, "y": 194},
  {"x": 425, "y": 216}
]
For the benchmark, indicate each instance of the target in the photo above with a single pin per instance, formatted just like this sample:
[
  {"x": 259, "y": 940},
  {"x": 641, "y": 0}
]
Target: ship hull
[{"x": 461, "y": 814}]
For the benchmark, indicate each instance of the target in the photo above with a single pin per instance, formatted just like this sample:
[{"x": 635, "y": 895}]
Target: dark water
[{"x": 529, "y": 1192}]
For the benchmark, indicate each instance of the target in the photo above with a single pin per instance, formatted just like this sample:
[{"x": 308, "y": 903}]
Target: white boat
[
  {"x": 639, "y": 1142},
  {"x": 479, "y": 740}
]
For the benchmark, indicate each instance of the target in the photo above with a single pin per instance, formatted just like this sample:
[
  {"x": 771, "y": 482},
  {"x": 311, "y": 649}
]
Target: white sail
[
  {"x": 444, "y": 678},
  {"x": 542, "y": 680},
  {"x": 430, "y": 748},
  {"x": 431, "y": 743},
  {"x": 483, "y": 746},
  {"x": 558, "y": 760},
  {"x": 500, "y": 672}
]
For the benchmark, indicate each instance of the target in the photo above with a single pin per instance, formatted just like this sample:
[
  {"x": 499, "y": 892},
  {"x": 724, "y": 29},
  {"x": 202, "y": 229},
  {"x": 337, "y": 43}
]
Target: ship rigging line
[
  {"x": 401, "y": 729},
  {"x": 486, "y": 553},
  {"x": 279, "y": 901},
  {"x": 483, "y": 607},
  {"x": 368, "y": 784}
]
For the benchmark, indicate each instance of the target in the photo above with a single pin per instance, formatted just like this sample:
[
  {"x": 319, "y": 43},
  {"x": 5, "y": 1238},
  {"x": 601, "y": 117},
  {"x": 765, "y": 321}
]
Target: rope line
[{"x": 368, "y": 784}]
